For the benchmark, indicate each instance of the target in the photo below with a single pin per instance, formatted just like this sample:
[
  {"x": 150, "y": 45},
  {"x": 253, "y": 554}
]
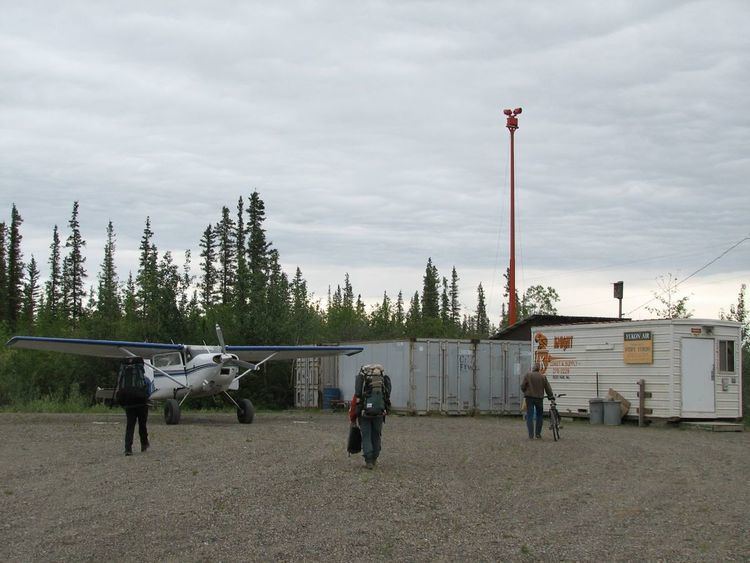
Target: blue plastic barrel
[{"x": 330, "y": 394}]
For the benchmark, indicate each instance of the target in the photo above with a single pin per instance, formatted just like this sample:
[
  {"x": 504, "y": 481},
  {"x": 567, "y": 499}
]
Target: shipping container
[
  {"x": 432, "y": 375},
  {"x": 691, "y": 367},
  {"x": 312, "y": 376}
]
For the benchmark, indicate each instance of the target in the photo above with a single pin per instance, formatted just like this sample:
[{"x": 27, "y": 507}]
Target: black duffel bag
[{"x": 354, "y": 443}]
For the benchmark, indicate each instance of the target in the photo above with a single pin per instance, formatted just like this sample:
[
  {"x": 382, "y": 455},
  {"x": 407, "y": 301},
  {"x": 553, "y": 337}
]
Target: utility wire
[{"x": 727, "y": 251}]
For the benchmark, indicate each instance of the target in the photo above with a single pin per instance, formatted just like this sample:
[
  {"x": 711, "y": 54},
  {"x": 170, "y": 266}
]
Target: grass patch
[{"x": 49, "y": 405}]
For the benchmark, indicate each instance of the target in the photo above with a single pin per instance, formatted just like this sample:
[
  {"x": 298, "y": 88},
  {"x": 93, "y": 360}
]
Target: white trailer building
[{"x": 691, "y": 367}]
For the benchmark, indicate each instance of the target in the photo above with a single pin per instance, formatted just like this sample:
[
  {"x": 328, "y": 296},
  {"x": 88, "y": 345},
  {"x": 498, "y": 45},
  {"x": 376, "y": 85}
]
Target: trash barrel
[
  {"x": 330, "y": 394},
  {"x": 612, "y": 413},
  {"x": 596, "y": 411}
]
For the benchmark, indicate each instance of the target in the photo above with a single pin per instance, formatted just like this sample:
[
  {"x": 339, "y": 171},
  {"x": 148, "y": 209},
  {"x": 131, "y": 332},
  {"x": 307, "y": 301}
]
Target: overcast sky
[{"x": 374, "y": 133}]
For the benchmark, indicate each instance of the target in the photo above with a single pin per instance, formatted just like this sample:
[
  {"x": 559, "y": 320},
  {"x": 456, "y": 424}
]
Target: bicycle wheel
[{"x": 554, "y": 422}]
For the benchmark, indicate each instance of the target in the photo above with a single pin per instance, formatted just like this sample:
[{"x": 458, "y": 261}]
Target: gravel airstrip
[{"x": 445, "y": 488}]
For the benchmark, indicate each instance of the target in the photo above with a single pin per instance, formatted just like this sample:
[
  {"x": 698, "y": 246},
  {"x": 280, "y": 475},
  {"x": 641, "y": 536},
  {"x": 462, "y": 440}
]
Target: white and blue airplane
[{"x": 179, "y": 371}]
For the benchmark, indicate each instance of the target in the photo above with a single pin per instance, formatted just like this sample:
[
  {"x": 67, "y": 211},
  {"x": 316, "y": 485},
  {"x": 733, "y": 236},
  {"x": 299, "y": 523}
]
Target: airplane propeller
[
  {"x": 220, "y": 336},
  {"x": 227, "y": 358}
]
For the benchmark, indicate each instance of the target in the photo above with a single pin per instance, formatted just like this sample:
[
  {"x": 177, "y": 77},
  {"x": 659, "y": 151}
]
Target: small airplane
[{"x": 179, "y": 371}]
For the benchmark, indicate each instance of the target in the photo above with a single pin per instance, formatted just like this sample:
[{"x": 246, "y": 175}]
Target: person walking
[
  {"x": 372, "y": 401},
  {"x": 132, "y": 393},
  {"x": 533, "y": 387}
]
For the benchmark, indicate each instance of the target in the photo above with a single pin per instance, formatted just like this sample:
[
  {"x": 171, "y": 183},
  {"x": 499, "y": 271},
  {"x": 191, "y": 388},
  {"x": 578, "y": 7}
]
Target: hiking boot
[
  {"x": 144, "y": 447},
  {"x": 538, "y": 436},
  {"x": 369, "y": 465},
  {"x": 128, "y": 452}
]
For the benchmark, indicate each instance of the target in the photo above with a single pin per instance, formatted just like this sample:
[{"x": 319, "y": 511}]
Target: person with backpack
[
  {"x": 372, "y": 393},
  {"x": 131, "y": 393}
]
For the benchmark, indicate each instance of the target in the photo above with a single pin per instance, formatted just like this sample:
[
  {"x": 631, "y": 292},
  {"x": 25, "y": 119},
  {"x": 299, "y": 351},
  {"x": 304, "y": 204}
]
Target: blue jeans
[
  {"x": 371, "y": 429},
  {"x": 534, "y": 409}
]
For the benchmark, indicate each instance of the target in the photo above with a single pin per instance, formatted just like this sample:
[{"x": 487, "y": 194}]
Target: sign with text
[{"x": 638, "y": 347}]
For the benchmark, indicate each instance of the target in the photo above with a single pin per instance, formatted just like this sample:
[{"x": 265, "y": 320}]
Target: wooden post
[{"x": 641, "y": 402}]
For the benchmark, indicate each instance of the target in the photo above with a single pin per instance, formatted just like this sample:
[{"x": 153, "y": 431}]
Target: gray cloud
[{"x": 374, "y": 132}]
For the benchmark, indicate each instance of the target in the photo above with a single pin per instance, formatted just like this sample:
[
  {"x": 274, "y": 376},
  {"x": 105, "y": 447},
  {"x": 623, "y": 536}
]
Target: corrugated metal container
[
  {"x": 691, "y": 367},
  {"x": 441, "y": 375},
  {"x": 312, "y": 376},
  {"x": 307, "y": 376}
]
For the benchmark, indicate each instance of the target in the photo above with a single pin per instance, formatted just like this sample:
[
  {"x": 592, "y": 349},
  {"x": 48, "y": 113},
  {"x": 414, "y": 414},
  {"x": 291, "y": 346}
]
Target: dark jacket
[{"x": 535, "y": 384}]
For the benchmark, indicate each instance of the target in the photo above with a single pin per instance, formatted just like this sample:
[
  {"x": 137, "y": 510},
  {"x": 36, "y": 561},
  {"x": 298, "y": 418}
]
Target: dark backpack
[
  {"x": 374, "y": 395},
  {"x": 133, "y": 387}
]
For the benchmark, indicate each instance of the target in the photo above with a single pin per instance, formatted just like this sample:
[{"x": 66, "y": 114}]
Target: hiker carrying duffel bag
[{"x": 372, "y": 392}]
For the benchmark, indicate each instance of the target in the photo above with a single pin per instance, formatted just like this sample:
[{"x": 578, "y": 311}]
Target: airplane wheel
[
  {"x": 171, "y": 411},
  {"x": 246, "y": 412}
]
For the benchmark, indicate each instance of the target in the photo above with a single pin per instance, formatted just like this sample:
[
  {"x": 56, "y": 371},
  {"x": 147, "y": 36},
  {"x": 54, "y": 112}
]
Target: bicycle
[{"x": 554, "y": 417}]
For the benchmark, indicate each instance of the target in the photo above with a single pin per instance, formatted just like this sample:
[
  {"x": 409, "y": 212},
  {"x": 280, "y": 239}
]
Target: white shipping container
[
  {"x": 691, "y": 367},
  {"x": 438, "y": 375}
]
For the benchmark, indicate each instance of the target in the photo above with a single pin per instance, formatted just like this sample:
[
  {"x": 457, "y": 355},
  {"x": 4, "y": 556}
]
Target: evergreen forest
[{"x": 239, "y": 284}]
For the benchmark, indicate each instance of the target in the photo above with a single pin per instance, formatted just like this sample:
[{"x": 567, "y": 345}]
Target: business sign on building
[{"x": 638, "y": 347}]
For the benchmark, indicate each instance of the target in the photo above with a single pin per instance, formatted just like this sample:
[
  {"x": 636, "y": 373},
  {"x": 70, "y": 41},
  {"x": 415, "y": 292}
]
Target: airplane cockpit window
[{"x": 169, "y": 359}]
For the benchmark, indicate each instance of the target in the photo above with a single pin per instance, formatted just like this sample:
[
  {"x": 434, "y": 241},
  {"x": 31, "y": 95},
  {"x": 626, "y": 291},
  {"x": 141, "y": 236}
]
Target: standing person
[
  {"x": 132, "y": 393},
  {"x": 372, "y": 393},
  {"x": 533, "y": 387}
]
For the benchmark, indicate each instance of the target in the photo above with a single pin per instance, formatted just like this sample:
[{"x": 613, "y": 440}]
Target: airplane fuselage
[{"x": 197, "y": 371}]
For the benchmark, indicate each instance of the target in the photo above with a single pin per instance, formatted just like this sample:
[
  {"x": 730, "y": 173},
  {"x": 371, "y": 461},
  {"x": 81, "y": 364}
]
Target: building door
[{"x": 697, "y": 376}]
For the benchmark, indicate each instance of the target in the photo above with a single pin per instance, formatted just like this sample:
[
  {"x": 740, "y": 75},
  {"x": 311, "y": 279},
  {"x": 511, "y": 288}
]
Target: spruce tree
[
  {"x": 348, "y": 295},
  {"x": 257, "y": 258},
  {"x": 168, "y": 320},
  {"x": 381, "y": 325},
  {"x": 108, "y": 297},
  {"x": 225, "y": 234},
  {"x": 30, "y": 293},
  {"x": 399, "y": 316},
  {"x": 242, "y": 282},
  {"x": 445, "y": 305},
  {"x": 455, "y": 304},
  {"x": 147, "y": 281},
  {"x": 413, "y": 316},
  {"x": 431, "y": 292},
  {"x": 306, "y": 325},
  {"x": 3, "y": 273},
  {"x": 14, "y": 270},
  {"x": 186, "y": 281},
  {"x": 130, "y": 306},
  {"x": 74, "y": 271},
  {"x": 482, "y": 325},
  {"x": 54, "y": 285},
  {"x": 277, "y": 302},
  {"x": 208, "y": 269}
]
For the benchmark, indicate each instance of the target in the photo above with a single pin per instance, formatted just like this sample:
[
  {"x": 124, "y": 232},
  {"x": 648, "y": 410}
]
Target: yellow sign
[{"x": 638, "y": 347}]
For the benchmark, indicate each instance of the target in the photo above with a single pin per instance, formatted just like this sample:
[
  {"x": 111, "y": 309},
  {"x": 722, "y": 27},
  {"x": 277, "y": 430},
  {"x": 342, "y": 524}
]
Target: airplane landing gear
[
  {"x": 245, "y": 411},
  {"x": 171, "y": 411}
]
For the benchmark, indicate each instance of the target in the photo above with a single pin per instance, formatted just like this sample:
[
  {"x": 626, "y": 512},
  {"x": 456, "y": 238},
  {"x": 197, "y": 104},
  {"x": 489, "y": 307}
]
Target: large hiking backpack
[
  {"x": 374, "y": 392},
  {"x": 133, "y": 387}
]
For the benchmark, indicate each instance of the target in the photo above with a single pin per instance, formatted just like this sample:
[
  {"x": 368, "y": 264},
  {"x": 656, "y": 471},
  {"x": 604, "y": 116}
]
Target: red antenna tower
[{"x": 512, "y": 125}]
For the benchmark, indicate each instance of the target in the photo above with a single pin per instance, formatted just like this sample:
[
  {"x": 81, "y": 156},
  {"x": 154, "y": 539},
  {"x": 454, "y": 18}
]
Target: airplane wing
[
  {"x": 86, "y": 347},
  {"x": 259, "y": 353}
]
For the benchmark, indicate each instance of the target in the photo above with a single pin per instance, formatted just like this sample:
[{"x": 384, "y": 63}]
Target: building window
[{"x": 726, "y": 356}]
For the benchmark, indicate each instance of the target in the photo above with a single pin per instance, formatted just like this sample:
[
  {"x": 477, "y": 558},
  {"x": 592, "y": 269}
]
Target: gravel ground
[{"x": 445, "y": 488}]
